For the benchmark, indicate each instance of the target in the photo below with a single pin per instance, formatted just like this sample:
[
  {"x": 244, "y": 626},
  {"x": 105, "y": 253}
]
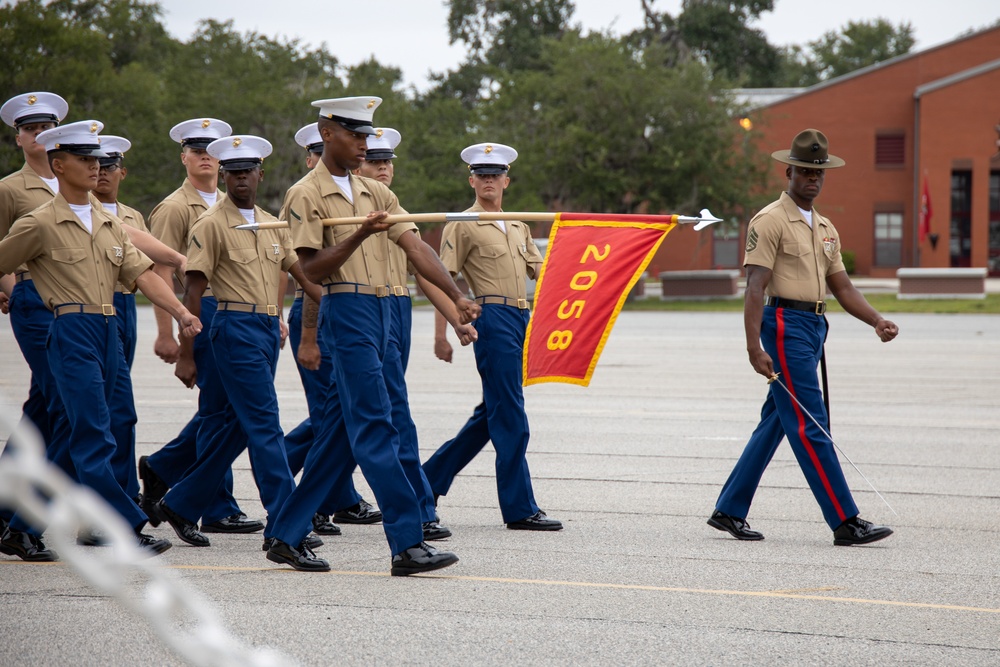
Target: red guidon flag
[{"x": 591, "y": 263}]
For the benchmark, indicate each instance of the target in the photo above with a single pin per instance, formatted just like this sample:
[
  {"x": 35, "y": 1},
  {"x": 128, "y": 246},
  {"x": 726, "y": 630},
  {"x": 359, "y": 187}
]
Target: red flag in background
[
  {"x": 591, "y": 263},
  {"x": 925, "y": 211}
]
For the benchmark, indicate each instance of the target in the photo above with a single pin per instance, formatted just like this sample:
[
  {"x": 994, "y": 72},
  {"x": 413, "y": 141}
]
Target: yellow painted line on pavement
[{"x": 775, "y": 594}]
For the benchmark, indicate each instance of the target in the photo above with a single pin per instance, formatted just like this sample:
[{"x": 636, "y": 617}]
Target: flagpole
[{"x": 704, "y": 219}]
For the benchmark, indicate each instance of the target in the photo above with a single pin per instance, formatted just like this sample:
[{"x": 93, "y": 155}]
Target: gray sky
[{"x": 412, "y": 34}]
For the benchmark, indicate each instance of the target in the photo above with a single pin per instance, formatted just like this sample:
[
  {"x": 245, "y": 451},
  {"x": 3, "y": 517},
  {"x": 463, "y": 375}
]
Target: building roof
[
  {"x": 957, "y": 77},
  {"x": 882, "y": 65}
]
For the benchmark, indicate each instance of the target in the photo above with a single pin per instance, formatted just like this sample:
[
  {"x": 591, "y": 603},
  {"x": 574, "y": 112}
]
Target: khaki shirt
[
  {"x": 243, "y": 265},
  {"x": 132, "y": 218},
  {"x": 316, "y": 197},
  {"x": 21, "y": 193},
  {"x": 68, "y": 263},
  {"x": 172, "y": 218},
  {"x": 493, "y": 263},
  {"x": 800, "y": 257},
  {"x": 400, "y": 269}
]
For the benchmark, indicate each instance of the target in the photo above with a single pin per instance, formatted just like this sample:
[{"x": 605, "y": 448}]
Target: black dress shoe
[
  {"x": 363, "y": 512},
  {"x": 26, "y": 546},
  {"x": 735, "y": 526},
  {"x": 186, "y": 530},
  {"x": 435, "y": 531},
  {"x": 301, "y": 558},
  {"x": 153, "y": 490},
  {"x": 310, "y": 542},
  {"x": 858, "y": 531},
  {"x": 537, "y": 521},
  {"x": 151, "y": 545},
  {"x": 323, "y": 526},
  {"x": 421, "y": 558},
  {"x": 237, "y": 523},
  {"x": 91, "y": 539}
]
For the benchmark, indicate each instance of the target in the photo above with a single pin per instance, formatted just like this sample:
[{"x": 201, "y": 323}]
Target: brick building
[{"x": 928, "y": 117}]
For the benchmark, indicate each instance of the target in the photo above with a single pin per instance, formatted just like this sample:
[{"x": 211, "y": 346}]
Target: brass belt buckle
[
  {"x": 522, "y": 304},
  {"x": 381, "y": 290},
  {"x": 399, "y": 290},
  {"x": 272, "y": 310},
  {"x": 107, "y": 310},
  {"x": 820, "y": 309}
]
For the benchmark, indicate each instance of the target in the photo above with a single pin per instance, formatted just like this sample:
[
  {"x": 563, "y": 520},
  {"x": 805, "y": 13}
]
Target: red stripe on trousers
[{"x": 780, "y": 318}]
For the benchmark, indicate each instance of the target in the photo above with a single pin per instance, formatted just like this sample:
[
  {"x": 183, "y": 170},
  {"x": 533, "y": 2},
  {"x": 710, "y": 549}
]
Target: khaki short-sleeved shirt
[
  {"x": 132, "y": 218},
  {"x": 68, "y": 263},
  {"x": 172, "y": 218},
  {"x": 400, "y": 269},
  {"x": 21, "y": 193},
  {"x": 316, "y": 197},
  {"x": 799, "y": 257},
  {"x": 493, "y": 262},
  {"x": 242, "y": 265}
]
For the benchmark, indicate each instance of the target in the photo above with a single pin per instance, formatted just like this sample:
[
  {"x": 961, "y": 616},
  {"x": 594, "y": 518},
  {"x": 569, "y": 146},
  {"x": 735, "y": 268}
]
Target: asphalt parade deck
[{"x": 632, "y": 465}]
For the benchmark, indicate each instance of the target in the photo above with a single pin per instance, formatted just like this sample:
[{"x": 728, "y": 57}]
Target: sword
[{"x": 774, "y": 378}]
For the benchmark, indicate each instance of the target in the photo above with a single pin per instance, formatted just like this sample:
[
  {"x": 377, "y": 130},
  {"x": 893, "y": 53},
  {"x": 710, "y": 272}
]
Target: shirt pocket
[
  {"x": 242, "y": 255},
  {"x": 493, "y": 253},
  {"x": 276, "y": 253},
  {"x": 68, "y": 255},
  {"x": 795, "y": 257},
  {"x": 116, "y": 255}
]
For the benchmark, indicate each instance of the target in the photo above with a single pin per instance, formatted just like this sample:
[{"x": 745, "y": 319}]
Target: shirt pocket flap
[
  {"x": 68, "y": 255},
  {"x": 492, "y": 251},
  {"x": 796, "y": 249},
  {"x": 242, "y": 255},
  {"x": 116, "y": 255}
]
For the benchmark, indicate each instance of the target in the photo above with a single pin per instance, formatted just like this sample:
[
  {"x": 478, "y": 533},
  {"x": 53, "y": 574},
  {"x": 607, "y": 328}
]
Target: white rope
[{"x": 45, "y": 496}]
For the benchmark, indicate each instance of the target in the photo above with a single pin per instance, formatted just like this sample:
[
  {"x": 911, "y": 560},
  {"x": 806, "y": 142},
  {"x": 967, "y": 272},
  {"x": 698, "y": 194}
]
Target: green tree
[
  {"x": 719, "y": 32},
  {"x": 507, "y": 33},
  {"x": 859, "y": 44},
  {"x": 606, "y": 128}
]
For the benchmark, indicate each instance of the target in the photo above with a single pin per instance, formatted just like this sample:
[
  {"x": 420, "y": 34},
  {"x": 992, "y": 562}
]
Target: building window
[
  {"x": 889, "y": 238},
  {"x": 726, "y": 245},
  {"x": 960, "y": 227},
  {"x": 890, "y": 149},
  {"x": 993, "y": 258}
]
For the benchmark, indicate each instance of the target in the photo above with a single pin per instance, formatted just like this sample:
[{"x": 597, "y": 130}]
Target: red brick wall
[{"x": 853, "y": 109}]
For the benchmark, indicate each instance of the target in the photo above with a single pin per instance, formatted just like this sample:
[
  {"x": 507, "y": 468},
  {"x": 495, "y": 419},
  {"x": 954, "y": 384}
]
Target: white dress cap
[
  {"x": 382, "y": 144},
  {"x": 199, "y": 132},
  {"x": 114, "y": 147},
  {"x": 79, "y": 138},
  {"x": 34, "y": 108},
  {"x": 354, "y": 113},
  {"x": 489, "y": 158},
  {"x": 243, "y": 151},
  {"x": 308, "y": 137}
]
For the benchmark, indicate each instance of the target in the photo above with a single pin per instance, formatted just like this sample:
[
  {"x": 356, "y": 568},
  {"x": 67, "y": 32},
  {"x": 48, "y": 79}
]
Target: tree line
[{"x": 637, "y": 123}]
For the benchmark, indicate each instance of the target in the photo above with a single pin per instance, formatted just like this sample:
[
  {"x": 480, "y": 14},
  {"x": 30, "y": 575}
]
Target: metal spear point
[
  {"x": 704, "y": 219},
  {"x": 774, "y": 378}
]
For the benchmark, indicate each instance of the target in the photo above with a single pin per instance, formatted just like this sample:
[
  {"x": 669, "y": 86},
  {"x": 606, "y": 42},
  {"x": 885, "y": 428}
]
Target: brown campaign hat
[{"x": 809, "y": 149}]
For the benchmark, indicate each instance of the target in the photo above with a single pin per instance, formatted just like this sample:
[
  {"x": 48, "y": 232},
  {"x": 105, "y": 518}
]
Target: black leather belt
[{"x": 817, "y": 307}]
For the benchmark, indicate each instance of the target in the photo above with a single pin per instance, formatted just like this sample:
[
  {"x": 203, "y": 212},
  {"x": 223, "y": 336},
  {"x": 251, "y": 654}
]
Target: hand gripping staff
[{"x": 774, "y": 378}]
